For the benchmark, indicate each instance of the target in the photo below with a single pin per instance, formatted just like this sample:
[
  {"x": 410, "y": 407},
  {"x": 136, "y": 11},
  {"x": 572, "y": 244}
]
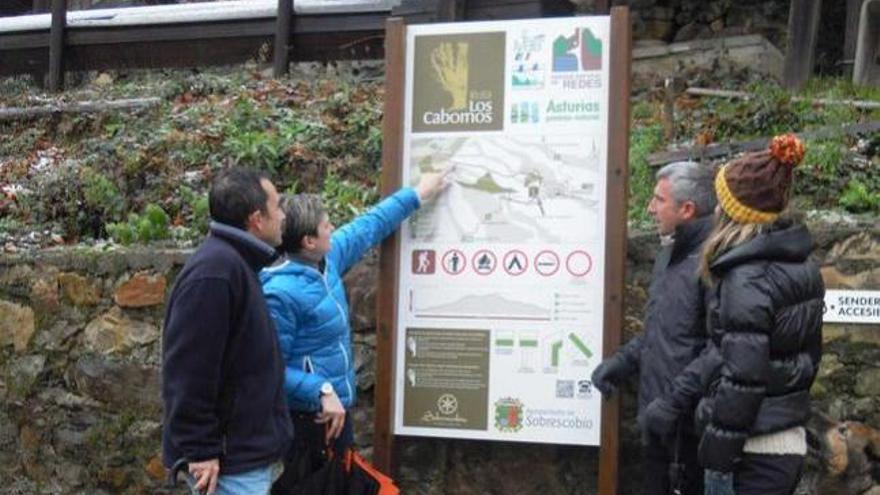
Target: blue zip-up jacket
[{"x": 311, "y": 311}]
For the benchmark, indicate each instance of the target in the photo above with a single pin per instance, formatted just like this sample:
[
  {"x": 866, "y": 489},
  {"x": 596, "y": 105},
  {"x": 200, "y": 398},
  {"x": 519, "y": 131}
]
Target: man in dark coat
[
  {"x": 222, "y": 373},
  {"x": 674, "y": 323}
]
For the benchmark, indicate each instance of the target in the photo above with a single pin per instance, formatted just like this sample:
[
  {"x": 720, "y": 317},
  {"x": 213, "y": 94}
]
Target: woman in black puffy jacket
[{"x": 765, "y": 321}]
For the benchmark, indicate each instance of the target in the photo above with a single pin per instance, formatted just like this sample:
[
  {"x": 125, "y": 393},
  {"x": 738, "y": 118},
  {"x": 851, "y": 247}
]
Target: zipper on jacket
[
  {"x": 323, "y": 277},
  {"x": 344, "y": 354},
  {"x": 347, "y": 384},
  {"x": 330, "y": 293},
  {"x": 308, "y": 367},
  {"x": 341, "y": 346}
]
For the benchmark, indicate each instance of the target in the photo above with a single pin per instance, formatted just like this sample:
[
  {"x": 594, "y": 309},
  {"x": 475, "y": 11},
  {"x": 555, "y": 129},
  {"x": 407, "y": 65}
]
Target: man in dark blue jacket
[
  {"x": 222, "y": 373},
  {"x": 675, "y": 329}
]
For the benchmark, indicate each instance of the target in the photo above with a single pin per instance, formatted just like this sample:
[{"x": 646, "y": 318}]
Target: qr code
[
  {"x": 584, "y": 389},
  {"x": 564, "y": 389}
]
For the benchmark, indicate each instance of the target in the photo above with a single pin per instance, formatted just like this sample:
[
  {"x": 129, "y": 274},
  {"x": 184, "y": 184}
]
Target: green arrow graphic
[{"x": 580, "y": 345}]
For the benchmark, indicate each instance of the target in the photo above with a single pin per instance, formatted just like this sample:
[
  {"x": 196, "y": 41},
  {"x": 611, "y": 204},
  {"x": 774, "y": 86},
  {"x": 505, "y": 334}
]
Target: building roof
[{"x": 191, "y": 12}]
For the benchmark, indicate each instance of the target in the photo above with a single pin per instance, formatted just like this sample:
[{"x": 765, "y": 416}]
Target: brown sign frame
[{"x": 615, "y": 239}]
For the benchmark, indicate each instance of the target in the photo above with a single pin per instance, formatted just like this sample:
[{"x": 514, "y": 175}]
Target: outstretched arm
[{"x": 352, "y": 240}]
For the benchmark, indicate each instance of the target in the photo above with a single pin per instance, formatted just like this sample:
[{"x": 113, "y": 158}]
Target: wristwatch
[{"x": 327, "y": 389}]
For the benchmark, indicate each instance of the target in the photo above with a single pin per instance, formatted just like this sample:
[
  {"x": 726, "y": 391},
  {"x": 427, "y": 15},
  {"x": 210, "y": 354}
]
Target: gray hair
[
  {"x": 303, "y": 213},
  {"x": 693, "y": 182}
]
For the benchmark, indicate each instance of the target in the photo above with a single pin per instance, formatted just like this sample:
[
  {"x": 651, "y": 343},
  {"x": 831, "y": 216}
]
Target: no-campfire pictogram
[{"x": 484, "y": 262}]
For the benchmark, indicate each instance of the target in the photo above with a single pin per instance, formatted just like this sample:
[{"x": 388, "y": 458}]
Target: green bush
[
  {"x": 77, "y": 199},
  {"x": 344, "y": 199},
  {"x": 643, "y": 142},
  {"x": 858, "y": 198},
  {"x": 152, "y": 225},
  {"x": 821, "y": 177},
  {"x": 101, "y": 195},
  {"x": 261, "y": 148},
  {"x": 197, "y": 224}
]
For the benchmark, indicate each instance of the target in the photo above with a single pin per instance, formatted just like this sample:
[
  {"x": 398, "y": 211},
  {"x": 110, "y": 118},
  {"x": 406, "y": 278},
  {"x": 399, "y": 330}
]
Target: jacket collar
[
  {"x": 255, "y": 252},
  {"x": 783, "y": 242},
  {"x": 302, "y": 260},
  {"x": 290, "y": 265},
  {"x": 690, "y": 235}
]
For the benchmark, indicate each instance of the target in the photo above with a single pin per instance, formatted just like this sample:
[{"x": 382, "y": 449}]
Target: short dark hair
[
  {"x": 302, "y": 215},
  {"x": 235, "y": 194}
]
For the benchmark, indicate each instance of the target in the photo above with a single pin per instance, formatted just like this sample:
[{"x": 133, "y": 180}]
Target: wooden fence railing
[{"x": 49, "y": 53}]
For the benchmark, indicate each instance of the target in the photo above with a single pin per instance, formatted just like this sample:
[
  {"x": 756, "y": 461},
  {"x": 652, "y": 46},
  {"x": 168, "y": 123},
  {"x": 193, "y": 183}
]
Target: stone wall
[
  {"x": 80, "y": 410},
  {"x": 684, "y": 20}
]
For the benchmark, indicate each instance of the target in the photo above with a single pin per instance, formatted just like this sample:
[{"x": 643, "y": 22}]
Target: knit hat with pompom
[{"x": 755, "y": 187}]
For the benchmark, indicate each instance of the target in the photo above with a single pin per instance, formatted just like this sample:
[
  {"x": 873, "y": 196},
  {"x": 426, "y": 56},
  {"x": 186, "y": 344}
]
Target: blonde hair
[{"x": 725, "y": 235}]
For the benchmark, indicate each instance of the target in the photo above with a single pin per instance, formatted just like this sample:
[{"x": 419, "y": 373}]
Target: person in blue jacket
[{"x": 306, "y": 298}]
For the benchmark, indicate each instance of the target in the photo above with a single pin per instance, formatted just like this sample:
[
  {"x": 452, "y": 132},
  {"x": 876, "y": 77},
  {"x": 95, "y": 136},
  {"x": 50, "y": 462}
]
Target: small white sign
[{"x": 852, "y": 306}]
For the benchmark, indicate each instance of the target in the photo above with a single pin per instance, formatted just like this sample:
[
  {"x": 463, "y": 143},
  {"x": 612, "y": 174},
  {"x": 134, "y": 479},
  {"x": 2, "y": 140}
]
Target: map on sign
[{"x": 509, "y": 189}]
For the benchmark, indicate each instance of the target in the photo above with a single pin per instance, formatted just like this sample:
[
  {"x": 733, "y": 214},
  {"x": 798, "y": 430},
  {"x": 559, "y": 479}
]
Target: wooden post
[
  {"x": 39, "y": 75},
  {"x": 866, "y": 68},
  {"x": 450, "y": 10},
  {"x": 853, "y": 11},
  {"x": 282, "y": 37},
  {"x": 669, "y": 110},
  {"x": 386, "y": 302},
  {"x": 803, "y": 28},
  {"x": 615, "y": 234},
  {"x": 56, "y": 45}
]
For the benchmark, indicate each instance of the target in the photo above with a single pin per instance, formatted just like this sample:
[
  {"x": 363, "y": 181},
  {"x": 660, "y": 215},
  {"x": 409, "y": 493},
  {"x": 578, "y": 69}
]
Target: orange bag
[{"x": 364, "y": 478}]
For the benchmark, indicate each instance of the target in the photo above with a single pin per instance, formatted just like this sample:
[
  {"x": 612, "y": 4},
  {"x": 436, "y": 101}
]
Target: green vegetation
[
  {"x": 101, "y": 195},
  {"x": 153, "y": 225},
  {"x": 111, "y": 174},
  {"x": 857, "y": 197},
  {"x": 773, "y": 110},
  {"x": 834, "y": 173},
  {"x": 198, "y": 207},
  {"x": 345, "y": 199},
  {"x": 144, "y": 177},
  {"x": 644, "y": 140},
  {"x": 9, "y": 225}
]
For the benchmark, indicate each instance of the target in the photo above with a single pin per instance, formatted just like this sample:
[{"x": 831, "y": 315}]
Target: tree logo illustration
[
  {"x": 458, "y": 82},
  {"x": 450, "y": 63}
]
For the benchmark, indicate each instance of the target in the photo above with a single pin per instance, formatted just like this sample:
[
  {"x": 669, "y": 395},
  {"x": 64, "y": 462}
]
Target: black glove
[
  {"x": 660, "y": 418},
  {"x": 610, "y": 373}
]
